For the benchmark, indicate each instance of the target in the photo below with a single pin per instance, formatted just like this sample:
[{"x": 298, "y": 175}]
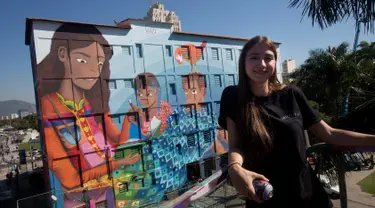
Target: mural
[
  {"x": 133, "y": 154},
  {"x": 153, "y": 121},
  {"x": 190, "y": 53}
]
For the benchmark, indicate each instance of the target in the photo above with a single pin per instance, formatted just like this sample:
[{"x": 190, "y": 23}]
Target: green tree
[
  {"x": 320, "y": 77},
  {"x": 360, "y": 79},
  {"x": 330, "y": 76},
  {"x": 30, "y": 121}
]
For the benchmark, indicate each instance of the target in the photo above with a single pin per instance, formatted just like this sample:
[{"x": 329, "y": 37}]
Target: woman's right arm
[
  {"x": 241, "y": 178},
  {"x": 235, "y": 156}
]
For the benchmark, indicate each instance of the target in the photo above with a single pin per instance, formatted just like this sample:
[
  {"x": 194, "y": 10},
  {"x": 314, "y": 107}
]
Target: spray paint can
[{"x": 263, "y": 189}]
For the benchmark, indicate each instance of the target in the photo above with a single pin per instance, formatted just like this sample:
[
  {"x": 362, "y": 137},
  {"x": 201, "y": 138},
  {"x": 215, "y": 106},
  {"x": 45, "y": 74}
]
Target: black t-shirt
[{"x": 288, "y": 114}]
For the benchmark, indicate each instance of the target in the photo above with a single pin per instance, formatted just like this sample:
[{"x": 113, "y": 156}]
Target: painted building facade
[{"x": 128, "y": 113}]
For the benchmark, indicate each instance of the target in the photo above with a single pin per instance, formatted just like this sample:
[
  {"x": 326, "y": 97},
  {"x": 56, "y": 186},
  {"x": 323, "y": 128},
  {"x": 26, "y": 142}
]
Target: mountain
[{"x": 12, "y": 106}]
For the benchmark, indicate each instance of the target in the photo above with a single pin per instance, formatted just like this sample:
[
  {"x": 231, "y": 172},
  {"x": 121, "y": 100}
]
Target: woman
[
  {"x": 80, "y": 137},
  {"x": 265, "y": 126}
]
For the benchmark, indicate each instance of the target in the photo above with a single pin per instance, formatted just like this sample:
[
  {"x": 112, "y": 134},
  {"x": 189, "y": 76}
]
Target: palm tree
[
  {"x": 320, "y": 77},
  {"x": 367, "y": 51},
  {"x": 325, "y": 77},
  {"x": 361, "y": 79},
  {"x": 329, "y": 12},
  {"x": 329, "y": 74}
]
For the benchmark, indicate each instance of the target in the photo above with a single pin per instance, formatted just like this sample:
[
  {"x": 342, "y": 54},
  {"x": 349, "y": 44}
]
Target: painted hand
[
  {"x": 141, "y": 115},
  {"x": 129, "y": 160}
]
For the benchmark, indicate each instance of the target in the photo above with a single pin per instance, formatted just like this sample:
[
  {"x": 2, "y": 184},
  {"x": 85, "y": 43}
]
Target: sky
[{"x": 239, "y": 18}]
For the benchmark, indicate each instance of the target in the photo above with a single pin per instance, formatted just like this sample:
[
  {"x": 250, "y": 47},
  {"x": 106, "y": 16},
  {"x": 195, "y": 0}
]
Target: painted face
[
  {"x": 194, "y": 94},
  {"x": 260, "y": 63},
  {"x": 121, "y": 204},
  {"x": 85, "y": 63},
  {"x": 148, "y": 96}
]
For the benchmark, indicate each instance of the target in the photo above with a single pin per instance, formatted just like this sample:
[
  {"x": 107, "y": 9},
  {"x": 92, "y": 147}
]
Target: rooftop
[
  {"x": 216, "y": 36},
  {"x": 124, "y": 24},
  {"x": 29, "y": 25}
]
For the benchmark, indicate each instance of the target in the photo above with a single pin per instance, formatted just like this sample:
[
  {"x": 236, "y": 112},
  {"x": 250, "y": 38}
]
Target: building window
[
  {"x": 108, "y": 49},
  {"x": 172, "y": 87},
  {"x": 185, "y": 52},
  {"x": 209, "y": 167},
  {"x": 217, "y": 104},
  {"x": 118, "y": 153},
  {"x": 217, "y": 80},
  {"x": 207, "y": 137},
  {"x": 174, "y": 119},
  {"x": 187, "y": 80},
  {"x": 191, "y": 140},
  {"x": 126, "y": 50},
  {"x": 128, "y": 83},
  {"x": 215, "y": 53},
  {"x": 168, "y": 50},
  {"x": 231, "y": 79},
  {"x": 193, "y": 172},
  {"x": 139, "y": 50},
  {"x": 200, "y": 53},
  {"x": 140, "y": 181},
  {"x": 123, "y": 187},
  {"x": 229, "y": 54},
  {"x": 188, "y": 109},
  {"x": 132, "y": 117},
  {"x": 205, "y": 108},
  {"x": 112, "y": 84},
  {"x": 142, "y": 79},
  {"x": 202, "y": 81}
]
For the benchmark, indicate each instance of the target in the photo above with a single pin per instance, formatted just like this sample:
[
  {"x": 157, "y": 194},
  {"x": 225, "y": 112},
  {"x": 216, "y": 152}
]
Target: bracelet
[{"x": 234, "y": 164}]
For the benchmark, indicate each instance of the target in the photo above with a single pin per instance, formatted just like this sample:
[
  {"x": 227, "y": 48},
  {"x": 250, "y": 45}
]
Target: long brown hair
[
  {"x": 255, "y": 137},
  {"x": 73, "y": 36}
]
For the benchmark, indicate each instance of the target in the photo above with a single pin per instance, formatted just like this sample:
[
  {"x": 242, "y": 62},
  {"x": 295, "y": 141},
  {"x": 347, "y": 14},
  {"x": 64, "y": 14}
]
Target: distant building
[
  {"x": 14, "y": 116},
  {"x": 289, "y": 66},
  {"x": 23, "y": 112},
  {"x": 157, "y": 13}
]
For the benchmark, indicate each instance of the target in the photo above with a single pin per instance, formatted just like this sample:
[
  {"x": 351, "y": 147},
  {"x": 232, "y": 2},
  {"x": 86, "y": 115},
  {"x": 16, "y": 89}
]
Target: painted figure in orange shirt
[{"x": 80, "y": 136}]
